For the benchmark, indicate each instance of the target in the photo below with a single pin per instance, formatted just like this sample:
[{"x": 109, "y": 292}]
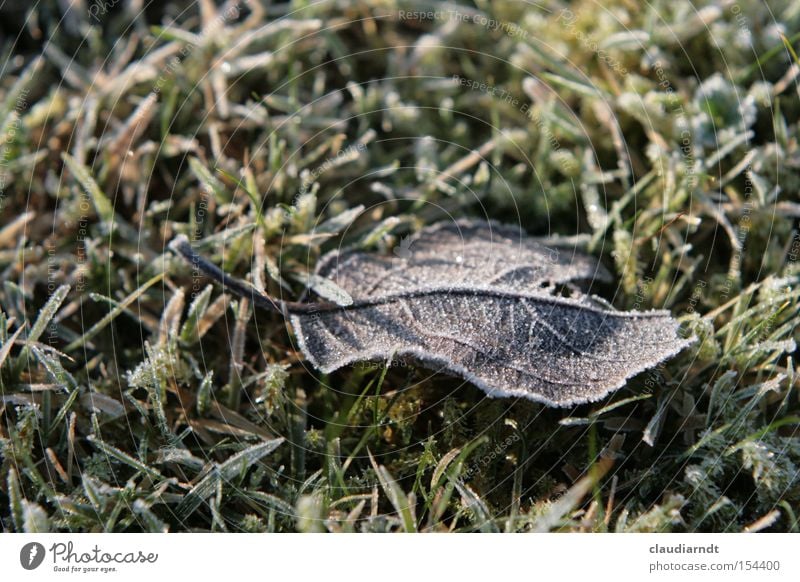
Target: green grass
[{"x": 136, "y": 396}]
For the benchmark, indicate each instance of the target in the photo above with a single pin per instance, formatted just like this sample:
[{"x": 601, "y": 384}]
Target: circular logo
[{"x": 31, "y": 555}]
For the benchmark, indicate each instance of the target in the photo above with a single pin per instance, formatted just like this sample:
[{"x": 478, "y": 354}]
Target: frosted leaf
[{"x": 474, "y": 299}]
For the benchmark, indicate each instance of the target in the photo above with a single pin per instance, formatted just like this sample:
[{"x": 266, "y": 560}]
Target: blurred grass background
[{"x": 136, "y": 396}]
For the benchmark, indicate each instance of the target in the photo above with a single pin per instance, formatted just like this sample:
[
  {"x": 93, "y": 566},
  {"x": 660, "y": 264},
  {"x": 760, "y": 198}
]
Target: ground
[{"x": 136, "y": 395}]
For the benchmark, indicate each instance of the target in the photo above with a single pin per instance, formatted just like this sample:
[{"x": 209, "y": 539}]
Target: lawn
[{"x": 660, "y": 138}]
